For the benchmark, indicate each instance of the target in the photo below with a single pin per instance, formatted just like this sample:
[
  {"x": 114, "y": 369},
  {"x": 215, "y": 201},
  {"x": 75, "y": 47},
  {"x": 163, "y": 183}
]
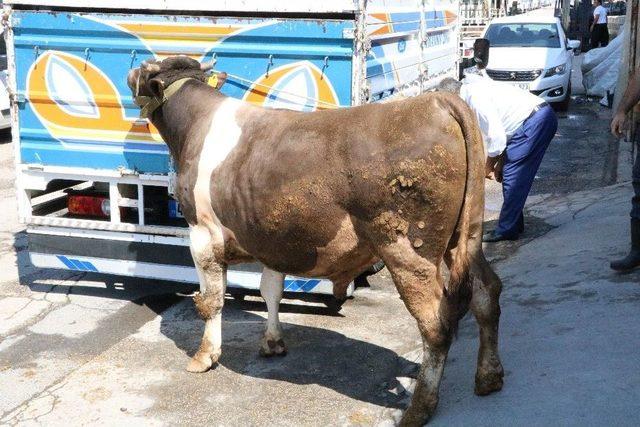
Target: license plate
[{"x": 523, "y": 86}]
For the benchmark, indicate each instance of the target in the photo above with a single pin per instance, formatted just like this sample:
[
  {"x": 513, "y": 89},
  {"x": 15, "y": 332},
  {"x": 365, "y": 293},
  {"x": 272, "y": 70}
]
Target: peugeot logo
[{"x": 512, "y": 75}]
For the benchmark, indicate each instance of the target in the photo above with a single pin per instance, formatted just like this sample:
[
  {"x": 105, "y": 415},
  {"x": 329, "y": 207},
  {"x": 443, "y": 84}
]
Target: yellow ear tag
[{"x": 213, "y": 80}]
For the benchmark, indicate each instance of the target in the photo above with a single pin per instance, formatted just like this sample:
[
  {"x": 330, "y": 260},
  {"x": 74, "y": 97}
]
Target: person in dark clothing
[
  {"x": 599, "y": 30},
  {"x": 629, "y": 100}
]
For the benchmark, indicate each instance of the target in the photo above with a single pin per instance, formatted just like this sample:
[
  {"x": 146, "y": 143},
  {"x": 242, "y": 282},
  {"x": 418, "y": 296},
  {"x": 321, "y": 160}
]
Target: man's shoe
[
  {"x": 632, "y": 260},
  {"x": 492, "y": 236}
]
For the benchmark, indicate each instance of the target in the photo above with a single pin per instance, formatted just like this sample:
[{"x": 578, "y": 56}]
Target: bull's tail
[{"x": 467, "y": 237}]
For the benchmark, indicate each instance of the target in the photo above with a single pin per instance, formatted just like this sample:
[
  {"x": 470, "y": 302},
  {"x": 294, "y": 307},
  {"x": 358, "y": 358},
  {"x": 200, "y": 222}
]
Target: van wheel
[{"x": 564, "y": 104}]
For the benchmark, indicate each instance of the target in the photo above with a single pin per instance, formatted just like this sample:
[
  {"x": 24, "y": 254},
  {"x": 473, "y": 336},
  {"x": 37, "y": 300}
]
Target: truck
[{"x": 95, "y": 183}]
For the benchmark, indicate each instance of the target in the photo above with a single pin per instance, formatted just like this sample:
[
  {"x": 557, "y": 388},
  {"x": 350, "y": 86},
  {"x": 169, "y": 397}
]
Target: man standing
[
  {"x": 599, "y": 30},
  {"x": 517, "y": 128},
  {"x": 629, "y": 100}
]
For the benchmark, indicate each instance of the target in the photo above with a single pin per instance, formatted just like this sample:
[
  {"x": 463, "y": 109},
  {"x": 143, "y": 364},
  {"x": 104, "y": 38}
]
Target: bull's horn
[
  {"x": 152, "y": 68},
  {"x": 206, "y": 66}
]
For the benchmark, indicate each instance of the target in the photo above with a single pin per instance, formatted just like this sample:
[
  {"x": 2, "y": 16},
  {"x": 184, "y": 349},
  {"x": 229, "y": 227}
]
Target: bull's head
[{"x": 149, "y": 82}]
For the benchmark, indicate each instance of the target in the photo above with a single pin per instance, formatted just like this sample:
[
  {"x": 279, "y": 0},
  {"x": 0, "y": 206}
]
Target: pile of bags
[{"x": 600, "y": 68}]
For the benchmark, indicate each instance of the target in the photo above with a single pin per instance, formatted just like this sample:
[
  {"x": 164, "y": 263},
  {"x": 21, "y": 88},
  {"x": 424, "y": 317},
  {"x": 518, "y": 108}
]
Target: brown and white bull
[{"x": 327, "y": 194}]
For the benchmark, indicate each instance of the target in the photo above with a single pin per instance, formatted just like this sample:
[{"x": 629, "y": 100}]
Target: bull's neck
[{"x": 184, "y": 115}]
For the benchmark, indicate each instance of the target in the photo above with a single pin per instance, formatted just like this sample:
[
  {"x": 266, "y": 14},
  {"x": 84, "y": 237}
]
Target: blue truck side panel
[
  {"x": 409, "y": 43},
  {"x": 77, "y": 111}
]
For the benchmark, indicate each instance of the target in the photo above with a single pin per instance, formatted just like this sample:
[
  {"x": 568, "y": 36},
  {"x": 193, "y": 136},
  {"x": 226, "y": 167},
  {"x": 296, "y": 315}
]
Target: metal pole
[{"x": 361, "y": 47}]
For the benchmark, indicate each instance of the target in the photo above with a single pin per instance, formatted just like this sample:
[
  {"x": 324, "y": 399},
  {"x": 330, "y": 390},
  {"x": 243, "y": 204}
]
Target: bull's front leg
[
  {"x": 212, "y": 273},
  {"x": 271, "y": 288}
]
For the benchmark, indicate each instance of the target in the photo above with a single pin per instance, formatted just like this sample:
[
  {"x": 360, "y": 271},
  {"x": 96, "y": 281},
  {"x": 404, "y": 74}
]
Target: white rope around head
[{"x": 271, "y": 88}]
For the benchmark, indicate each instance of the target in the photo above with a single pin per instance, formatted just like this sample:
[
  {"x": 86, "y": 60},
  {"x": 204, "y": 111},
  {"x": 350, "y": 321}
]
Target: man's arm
[
  {"x": 629, "y": 99},
  {"x": 493, "y": 133}
]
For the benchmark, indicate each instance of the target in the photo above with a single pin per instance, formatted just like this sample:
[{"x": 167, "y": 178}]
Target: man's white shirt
[
  {"x": 500, "y": 108},
  {"x": 602, "y": 14}
]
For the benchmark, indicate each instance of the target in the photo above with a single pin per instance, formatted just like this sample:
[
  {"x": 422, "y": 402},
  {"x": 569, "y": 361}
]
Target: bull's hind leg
[
  {"x": 420, "y": 285},
  {"x": 485, "y": 306},
  {"x": 213, "y": 276},
  {"x": 271, "y": 287}
]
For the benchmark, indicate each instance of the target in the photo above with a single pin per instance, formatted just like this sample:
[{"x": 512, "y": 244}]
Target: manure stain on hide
[{"x": 391, "y": 224}]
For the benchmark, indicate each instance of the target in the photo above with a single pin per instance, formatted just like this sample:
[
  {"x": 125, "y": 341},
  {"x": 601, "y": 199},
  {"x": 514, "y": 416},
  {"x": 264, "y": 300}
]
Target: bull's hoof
[
  {"x": 488, "y": 383},
  {"x": 272, "y": 347},
  {"x": 202, "y": 362},
  {"x": 419, "y": 415}
]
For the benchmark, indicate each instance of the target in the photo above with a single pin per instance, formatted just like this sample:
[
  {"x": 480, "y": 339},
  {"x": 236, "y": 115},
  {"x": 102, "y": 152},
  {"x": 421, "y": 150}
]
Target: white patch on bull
[
  {"x": 208, "y": 235},
  {"x": 200, "y": 242},
  {"x": 224, "y": 134},
  {"x": 271, "y": 288}
]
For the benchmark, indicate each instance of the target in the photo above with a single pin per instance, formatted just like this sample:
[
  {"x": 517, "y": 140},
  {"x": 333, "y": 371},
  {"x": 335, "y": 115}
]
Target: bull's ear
[
  {"x": 156, "y": 86},
  {"x": 222, "y": 78}
]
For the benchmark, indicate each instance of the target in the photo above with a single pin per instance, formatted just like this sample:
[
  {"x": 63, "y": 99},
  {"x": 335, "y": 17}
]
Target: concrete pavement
[{"x": 569, "y": 331}]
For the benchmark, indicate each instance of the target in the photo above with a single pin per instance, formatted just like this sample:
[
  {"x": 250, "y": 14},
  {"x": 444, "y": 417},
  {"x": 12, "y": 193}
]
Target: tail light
[{"x": 95, "y": 206}]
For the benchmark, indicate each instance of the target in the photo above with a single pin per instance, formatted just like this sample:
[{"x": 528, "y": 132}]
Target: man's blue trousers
[{"x": 523, "y": 156}]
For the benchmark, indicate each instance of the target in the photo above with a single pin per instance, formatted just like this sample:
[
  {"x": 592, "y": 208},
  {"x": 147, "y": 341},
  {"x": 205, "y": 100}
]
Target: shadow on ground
[{"x": 316, "y": 355}]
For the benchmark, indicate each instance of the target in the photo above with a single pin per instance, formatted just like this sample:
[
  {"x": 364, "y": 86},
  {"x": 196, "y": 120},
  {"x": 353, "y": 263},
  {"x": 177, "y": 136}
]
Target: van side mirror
[{"x": 573, "y": 44}]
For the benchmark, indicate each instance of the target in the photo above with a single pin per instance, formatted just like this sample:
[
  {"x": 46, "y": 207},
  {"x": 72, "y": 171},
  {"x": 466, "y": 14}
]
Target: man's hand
[
  {"x": 618, "y": 124},
  {"x": 489, "y": 166},
  {"x": 493, "y": 167}
]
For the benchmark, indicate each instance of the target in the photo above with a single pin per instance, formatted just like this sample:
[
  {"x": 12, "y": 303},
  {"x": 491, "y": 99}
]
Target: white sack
[{"x": 600, "y": 67}]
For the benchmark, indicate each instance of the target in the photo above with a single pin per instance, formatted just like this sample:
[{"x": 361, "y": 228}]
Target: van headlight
[{"x": 560, "y": 69}]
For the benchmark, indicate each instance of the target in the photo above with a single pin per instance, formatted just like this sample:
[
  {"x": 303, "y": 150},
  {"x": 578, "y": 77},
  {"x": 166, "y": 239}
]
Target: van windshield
[{"x": 523, "y": 35}]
